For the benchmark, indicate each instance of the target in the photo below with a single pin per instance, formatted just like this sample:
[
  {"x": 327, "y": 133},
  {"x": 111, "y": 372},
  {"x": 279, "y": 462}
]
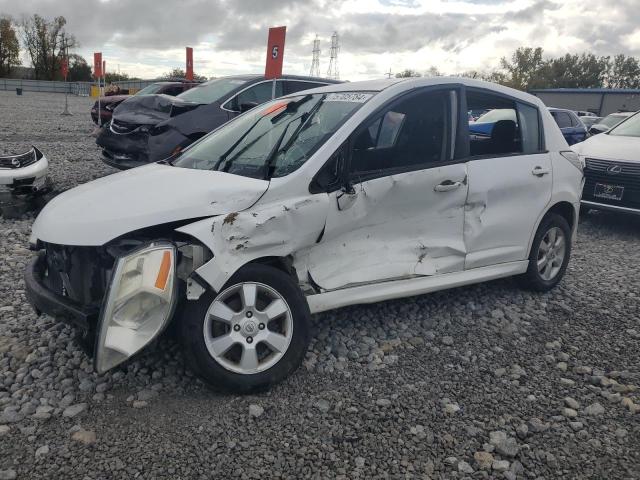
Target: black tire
[
  {"x": 192, "y": 322},
  {"x": 532, "y": 279}
]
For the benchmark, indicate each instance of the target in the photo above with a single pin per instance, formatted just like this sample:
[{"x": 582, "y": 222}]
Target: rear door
[
  {"x": 510, "y": 184},
  {"x": 403, "y": 214}
]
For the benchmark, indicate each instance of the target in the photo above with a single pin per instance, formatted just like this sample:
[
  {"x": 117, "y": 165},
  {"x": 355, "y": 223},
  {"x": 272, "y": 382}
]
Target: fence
[{"x": 75, "y": 88}]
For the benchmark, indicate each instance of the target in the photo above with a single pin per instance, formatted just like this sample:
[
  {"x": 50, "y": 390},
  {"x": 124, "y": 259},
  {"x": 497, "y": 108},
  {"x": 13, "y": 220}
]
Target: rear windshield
[
  {"x": 629, "y": 128},
  {"x": 150, "y": 89},
  {"x": 212, "y": 91},
  {"x": 611, "y": 120},
  {"x": 274, "y": 139}
]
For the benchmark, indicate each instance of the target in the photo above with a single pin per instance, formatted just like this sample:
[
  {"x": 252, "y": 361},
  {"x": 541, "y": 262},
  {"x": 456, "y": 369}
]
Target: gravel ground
[{"x": 480, "y": 382}]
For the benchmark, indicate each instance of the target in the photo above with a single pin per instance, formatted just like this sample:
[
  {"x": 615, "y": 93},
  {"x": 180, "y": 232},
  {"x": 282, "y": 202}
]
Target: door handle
[
  {"x": 540, "y": 172},
  {"x": 447, "y": 186}
]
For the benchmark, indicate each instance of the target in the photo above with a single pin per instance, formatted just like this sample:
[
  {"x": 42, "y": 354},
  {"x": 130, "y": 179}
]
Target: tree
[
  {"x": 111, "y": 77},
  {"x": 523, "y": 69},
  {"x": 79, "y": 69},
  {"x": 408, "y": 73},
  {"x": 180, "y": 74},
  {"x": 9, "y": 47},
  {"x": 45, "y": 41},
  {"x": 624, "y": 72}
]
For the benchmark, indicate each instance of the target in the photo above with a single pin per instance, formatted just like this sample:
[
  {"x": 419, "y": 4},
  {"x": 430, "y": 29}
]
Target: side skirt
[{"x": 378, "y": 292}]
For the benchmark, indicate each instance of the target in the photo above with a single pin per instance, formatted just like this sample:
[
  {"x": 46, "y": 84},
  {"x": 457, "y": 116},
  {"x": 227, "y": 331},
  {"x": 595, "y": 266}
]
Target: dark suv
[
  {"x": 153, "y": 127},
  {"x": 108, "y": 103}
]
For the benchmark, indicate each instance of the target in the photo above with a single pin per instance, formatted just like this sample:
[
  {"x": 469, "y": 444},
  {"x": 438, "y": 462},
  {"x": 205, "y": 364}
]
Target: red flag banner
[
  {"x": 64, "y": 68},
  {"x": 189, "y": 71},
  {"x": 97, "y": 64},
  {"x": 275, "y": 52}
]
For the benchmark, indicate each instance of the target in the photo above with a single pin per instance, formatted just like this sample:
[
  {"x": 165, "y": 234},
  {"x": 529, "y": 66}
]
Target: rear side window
[
  {"x": 497, "y": 132},
  {"x": 563, "y": 119}
]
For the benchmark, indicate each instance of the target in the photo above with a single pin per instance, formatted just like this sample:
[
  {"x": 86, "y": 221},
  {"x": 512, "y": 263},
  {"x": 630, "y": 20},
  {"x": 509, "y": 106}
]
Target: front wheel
[
  {"x": 251, "y": 335},
  {"x": 549, "y": 254}
]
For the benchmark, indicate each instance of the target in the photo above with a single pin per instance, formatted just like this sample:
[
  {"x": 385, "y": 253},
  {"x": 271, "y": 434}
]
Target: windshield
[
  {"x": 150, "y": 89},
  {"x": 497, "y": 114},
  {"x": 211, "y": 91},
  {"x": 274, "y": 139},
  {"x": 630, "y": 128},
  {"x": 612, "y": 120}
]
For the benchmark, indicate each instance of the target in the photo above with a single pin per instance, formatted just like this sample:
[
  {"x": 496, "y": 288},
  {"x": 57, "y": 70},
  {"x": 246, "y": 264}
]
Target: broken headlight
[{"x": 138, "y": 305}]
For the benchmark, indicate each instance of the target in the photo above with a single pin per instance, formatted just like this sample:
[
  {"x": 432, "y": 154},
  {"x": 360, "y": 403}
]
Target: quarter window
[{"x": 412, "y": 133}]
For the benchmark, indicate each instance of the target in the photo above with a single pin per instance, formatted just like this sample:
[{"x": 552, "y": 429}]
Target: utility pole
[
  {"x": 65, "y": 50},
  {"x": 389, "y": 74}
]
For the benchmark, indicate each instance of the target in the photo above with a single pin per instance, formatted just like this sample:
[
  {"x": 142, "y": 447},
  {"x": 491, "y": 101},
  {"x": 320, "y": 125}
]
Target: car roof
[
  {"x": 402, "y": 84},
  {"x": 257, "y": 77},
  {"x": 621, "y": 114},
  {"x": 554, "y": 109}
]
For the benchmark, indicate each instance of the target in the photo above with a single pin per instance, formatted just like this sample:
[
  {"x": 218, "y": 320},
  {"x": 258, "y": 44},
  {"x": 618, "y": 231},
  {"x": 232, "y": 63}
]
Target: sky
[{"x": 146, "y": 38}]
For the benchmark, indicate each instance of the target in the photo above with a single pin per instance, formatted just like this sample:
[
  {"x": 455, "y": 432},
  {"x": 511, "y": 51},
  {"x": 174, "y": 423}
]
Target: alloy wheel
[
  {"x": 248, "y": 328},
  {"x": 551, "y": 253}
]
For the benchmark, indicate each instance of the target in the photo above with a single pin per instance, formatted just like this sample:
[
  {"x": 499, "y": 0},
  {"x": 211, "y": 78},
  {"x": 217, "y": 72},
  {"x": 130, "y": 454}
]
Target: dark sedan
[
  {"x": 108, "y": 103},
  {"x": 154, "y": 127}
]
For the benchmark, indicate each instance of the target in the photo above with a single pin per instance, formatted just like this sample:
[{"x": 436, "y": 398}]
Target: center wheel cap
[{"x": 249, "y": 328}]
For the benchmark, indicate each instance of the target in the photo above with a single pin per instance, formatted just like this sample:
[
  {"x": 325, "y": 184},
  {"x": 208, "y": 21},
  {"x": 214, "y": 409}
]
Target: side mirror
[
  {"x": 597, "y": 128},
  {"x": 244, "y": 107}
]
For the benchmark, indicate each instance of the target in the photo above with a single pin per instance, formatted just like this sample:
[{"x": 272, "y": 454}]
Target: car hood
[
  {"x": 99, "y": 211},
  {"x": 610, "y": 147},
  {"x": 151, "y": 109}
]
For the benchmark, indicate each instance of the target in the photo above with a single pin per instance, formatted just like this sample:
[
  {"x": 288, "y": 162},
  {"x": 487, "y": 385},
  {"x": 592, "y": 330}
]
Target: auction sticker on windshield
[{"x": 354, "y": 97}]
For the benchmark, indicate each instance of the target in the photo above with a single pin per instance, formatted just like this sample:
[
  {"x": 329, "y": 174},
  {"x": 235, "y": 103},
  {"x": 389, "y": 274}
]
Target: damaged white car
[
  {"x": 346, "y": 194},
  {"x": 25, "y": 173}
]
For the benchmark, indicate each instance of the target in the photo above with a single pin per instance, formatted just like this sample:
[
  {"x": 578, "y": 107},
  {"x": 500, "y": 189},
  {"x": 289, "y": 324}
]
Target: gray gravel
[{"x": 480, "y": 382}]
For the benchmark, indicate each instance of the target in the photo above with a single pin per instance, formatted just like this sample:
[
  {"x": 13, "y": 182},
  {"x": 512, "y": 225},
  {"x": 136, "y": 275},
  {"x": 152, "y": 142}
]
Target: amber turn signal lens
[{"x": 163, "y": 273}]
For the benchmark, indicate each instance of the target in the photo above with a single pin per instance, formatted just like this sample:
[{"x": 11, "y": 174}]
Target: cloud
[{"x": 147, "y": 37}]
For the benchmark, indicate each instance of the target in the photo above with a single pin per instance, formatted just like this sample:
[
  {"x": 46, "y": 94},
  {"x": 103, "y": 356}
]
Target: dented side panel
[
  {"x": 504, "y": 202},
  {"x": 396, "y": 227},
  {"x": 276, "y": 229}
]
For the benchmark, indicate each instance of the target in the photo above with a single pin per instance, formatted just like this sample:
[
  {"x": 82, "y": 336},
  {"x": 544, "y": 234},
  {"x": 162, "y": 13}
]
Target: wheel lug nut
[
  {"x": 249, "y": 314},
  {"x": 236, "y": 327},
  {"x": 261, "y": 326},
  {"x": 249, "y": 339}
]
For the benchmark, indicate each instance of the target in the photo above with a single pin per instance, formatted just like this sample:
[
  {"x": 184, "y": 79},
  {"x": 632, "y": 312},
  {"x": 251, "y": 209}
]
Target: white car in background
[
  {"x": 347, "y": 194},
  {"x": 612, "y": 168},
  {"x": 24, "y": 173}
]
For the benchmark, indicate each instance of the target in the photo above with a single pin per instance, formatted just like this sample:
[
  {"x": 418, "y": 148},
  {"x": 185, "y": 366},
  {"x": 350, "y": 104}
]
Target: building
[{"x": 601, "y": 101}]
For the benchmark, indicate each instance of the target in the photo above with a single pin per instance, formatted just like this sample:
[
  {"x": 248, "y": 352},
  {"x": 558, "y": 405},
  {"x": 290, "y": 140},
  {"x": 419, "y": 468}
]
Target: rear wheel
[
  {"x": 253, "y": 334},
  {"x": 549, "y": 254}
]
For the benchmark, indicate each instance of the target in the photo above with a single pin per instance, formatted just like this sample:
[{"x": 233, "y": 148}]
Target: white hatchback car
[{"x": 346, "y": 194}]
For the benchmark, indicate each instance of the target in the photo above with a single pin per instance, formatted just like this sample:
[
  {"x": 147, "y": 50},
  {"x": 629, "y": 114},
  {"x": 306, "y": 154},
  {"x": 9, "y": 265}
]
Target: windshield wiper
[{"x": 273, "y": 154}]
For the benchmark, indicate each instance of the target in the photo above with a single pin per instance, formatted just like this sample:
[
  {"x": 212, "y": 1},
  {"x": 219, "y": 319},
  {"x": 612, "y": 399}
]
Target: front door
[{"x": 403, "y": 215}]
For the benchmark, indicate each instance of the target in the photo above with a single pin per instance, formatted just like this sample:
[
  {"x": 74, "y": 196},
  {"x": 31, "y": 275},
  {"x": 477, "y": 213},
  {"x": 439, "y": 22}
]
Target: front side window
[
  {"x": 274, "y": 139},
  {"x": 412, "y": 133},
  {"x": 611, "y": 120},
  {"x": 254, "y": 96},
  {"x": 629, "y": 128},
  {"x": 212, "y": 91}
]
